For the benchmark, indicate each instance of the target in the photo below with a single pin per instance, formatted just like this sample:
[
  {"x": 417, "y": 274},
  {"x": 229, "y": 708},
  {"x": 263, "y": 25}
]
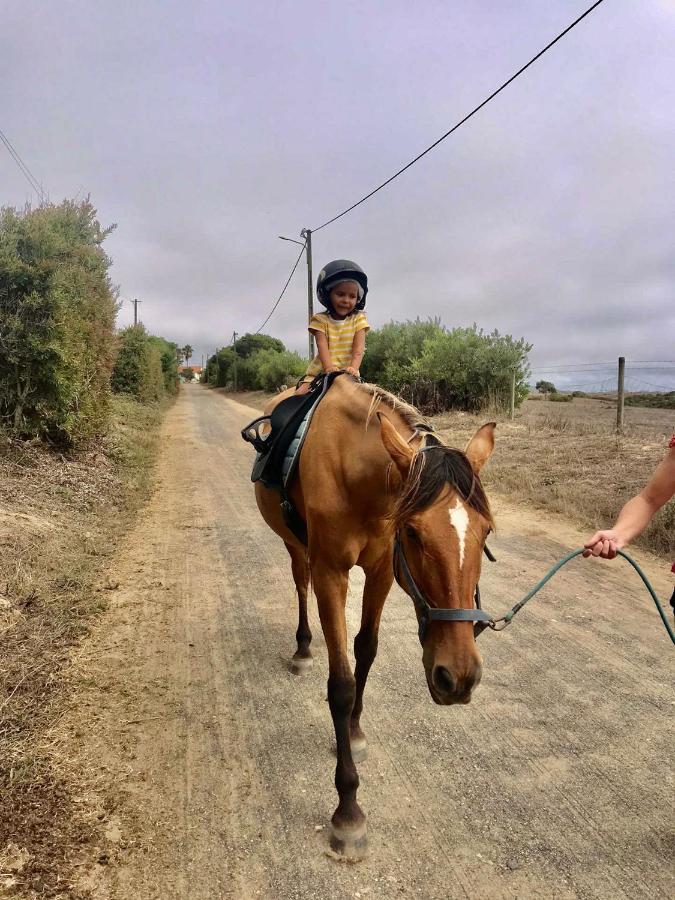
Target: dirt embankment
[
  {"x": 215, "y": 762},
  {"x": 61, "y": 517}
]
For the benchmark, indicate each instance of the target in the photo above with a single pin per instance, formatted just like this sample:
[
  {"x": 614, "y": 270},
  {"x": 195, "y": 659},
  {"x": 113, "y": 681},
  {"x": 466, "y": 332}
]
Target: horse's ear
[
  {"x": 480, "y": 446},
  {"x": 395, "y": 446}
]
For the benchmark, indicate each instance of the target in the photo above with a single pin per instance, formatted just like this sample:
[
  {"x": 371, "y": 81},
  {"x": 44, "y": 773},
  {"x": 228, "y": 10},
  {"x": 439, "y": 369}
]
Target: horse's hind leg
[
  {"x": 302, "y": 660},
  {"x": 378, "y": 583}
]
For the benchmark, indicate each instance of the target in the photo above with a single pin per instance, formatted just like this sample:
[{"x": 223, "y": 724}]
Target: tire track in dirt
[{"x": 554, "y": 782}]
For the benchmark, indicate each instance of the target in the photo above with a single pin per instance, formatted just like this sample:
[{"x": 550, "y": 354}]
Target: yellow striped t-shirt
[{"x": 340, "y": 334}]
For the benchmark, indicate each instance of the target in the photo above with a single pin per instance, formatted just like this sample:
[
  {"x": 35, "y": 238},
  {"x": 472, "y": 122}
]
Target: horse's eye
[{"x": 411, "y": 533}]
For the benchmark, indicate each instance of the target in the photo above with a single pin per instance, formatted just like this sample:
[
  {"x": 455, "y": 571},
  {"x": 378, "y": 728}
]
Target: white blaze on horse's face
[{"x": 459, "y": 519}]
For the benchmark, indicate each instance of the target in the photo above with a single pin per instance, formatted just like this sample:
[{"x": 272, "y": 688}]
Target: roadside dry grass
[
  {"x": 60, "y": 516},
  {"x": 566, "y": 458},
  {"x": 571, "y": 462}
]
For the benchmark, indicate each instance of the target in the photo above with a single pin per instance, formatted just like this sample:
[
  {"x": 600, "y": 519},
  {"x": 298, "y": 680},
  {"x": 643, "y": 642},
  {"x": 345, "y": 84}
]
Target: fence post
[
  {"x": 513, "y": 394},
  {"x": 620, "y": 394}
]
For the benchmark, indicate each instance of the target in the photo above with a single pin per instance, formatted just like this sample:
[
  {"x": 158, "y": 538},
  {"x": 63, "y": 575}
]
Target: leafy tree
[
  {"x": 188, "y": 373},
  {"x": 57, "y": 314},
  {"x": 249, "y": 344},
  {"x": 545, "y": 387}
]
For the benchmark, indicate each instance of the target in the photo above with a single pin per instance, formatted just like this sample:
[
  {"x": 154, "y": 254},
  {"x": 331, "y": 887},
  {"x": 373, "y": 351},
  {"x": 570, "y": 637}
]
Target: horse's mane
[
  {"x": 431, "y": 471},
  {"x": 408, "y": 413}
]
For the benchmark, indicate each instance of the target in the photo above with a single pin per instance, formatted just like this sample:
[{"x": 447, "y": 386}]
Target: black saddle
[{"x": 273, "y": 447}]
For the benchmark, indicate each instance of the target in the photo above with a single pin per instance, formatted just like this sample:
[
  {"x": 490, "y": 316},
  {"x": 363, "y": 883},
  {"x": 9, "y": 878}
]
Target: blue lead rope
[{"x": 500, "y": 624}]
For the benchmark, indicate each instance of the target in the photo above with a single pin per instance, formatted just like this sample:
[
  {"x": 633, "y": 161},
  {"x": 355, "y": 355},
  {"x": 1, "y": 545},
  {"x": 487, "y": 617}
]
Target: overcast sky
[{"x": 206, "y": 129}]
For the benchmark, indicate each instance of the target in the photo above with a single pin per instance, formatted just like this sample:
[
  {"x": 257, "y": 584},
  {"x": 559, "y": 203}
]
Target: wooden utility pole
[
  {"x": 136, "y": 302},
  {"x": 620, "y": 394},
  {"x": 307, "y": 235},
  {"x": 513, "y": 394},
  {"x": 234, "y": 364}
]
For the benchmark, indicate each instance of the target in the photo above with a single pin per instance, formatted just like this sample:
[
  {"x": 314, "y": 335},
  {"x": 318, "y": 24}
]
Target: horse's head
[{"x": 442, "y": 519}]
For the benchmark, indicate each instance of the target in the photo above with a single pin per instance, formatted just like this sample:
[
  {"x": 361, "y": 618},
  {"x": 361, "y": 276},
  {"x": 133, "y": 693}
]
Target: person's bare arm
[
  {"x": 637, "y": 513},
  {"x": 358, "y": 349}
]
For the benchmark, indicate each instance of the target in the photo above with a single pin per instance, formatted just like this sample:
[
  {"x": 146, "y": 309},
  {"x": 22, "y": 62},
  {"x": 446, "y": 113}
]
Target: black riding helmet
[{"x": 341, "y": 270}]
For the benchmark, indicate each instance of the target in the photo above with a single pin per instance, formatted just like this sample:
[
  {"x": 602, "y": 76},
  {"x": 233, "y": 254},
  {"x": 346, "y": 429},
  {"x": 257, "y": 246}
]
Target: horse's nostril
[{"x": 443, "y": 680}]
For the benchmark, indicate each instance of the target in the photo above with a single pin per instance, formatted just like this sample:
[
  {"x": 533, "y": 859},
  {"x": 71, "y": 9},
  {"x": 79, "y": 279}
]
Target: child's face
[{"x": 344, "y": 298}]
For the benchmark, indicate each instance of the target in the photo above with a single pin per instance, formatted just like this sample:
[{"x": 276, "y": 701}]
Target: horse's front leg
[
  {"x": 379, "y": 579},
  {"x": 348, "y": 824},
  {"x": 302, "y": 660}
]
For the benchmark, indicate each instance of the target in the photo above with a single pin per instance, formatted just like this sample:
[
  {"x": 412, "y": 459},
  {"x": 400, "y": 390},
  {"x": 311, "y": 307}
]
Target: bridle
[{"x": 426, "y": 613}]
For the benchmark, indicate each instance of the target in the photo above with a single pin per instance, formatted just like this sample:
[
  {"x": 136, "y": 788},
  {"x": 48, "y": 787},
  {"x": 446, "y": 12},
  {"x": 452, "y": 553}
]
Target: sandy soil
[{"x": 555, "y": 782}]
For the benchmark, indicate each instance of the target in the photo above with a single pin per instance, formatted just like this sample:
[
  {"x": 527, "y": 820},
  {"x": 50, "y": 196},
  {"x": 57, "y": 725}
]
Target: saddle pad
[{"x": 287, "y": 465}]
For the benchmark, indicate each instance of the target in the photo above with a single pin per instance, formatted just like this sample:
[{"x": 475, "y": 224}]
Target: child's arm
[
  {"x": 358, "y": 349},
  {"x": 324, "y": 352}
]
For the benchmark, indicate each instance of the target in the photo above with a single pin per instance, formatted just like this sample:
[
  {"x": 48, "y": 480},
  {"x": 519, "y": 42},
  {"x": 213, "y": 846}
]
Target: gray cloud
[{"x": 205, "y": 130}]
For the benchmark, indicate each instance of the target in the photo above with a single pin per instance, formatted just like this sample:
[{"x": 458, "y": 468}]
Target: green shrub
[
  {"x": 168, "y": 355},
  {"x": 275, "y": 369},
  {"x": 57, "y": 315},
  {"x": 138, "y": 368},
  {"x": 560, "y": 398},
  {"x": 654, "y": 400},
  {"x": 438, "y": 369}
]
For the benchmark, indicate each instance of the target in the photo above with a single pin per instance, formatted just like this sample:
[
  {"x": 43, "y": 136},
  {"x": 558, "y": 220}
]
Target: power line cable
[
  {"x": 28, "y": 175},
  {"x": 26, "y": 172},
  {"x": 283, "y": 291},
  {"x": 461, "y": 122}
]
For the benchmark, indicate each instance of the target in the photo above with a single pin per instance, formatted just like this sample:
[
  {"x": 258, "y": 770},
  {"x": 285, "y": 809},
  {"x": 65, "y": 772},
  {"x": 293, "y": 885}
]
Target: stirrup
[{"x": 252, "y": 433}]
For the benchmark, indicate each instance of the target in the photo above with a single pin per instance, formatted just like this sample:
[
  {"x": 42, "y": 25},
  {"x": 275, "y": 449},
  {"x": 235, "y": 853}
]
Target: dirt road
[{"x": 554, "y": 782}]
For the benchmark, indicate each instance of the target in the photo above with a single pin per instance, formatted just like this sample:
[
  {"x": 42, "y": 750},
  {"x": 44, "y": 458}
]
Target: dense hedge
[
  {"x": 436, "y": 368},
  {"x": 57, "y": 318},
  {"x": 146, "y": 366}
]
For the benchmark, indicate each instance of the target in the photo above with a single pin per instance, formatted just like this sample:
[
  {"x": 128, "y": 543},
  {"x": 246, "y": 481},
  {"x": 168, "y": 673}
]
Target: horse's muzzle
[{"x": 447, "y": 688}]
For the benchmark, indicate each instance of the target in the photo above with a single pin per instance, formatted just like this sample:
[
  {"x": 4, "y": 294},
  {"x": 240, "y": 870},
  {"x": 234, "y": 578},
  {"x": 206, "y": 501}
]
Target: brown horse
[{"x": 362, "y": 479}]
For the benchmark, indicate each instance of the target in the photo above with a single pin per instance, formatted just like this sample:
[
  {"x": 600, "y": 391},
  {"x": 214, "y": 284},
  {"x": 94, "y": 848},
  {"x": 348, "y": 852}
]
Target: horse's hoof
[
  {"x": 349, "y": 844},
  {"x": 301, "y": 664},
  {"x": 359, "y": 749}
]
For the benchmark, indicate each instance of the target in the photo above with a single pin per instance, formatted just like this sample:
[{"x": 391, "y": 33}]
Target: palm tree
[{"x": 187, "y": 353}]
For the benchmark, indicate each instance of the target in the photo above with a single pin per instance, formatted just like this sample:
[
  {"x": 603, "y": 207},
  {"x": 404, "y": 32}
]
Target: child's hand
[
  {"x": 352, "y": 371},
  {"x": 332, "y": 368}
]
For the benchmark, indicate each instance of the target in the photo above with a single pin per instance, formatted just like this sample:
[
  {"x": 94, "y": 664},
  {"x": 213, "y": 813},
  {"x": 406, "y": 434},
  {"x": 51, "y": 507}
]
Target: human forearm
[
  {"x": 633, "y": 519},
  {"x": 324, "y": 352},
  {"x": 358, "y": 349}
]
